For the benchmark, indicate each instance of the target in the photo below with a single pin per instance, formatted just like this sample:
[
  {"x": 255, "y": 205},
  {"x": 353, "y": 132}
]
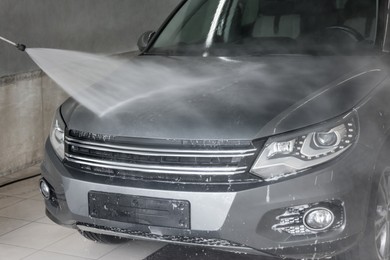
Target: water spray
[{"x": 19, "y": 46}]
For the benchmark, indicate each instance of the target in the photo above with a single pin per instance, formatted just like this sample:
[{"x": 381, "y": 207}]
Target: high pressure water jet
[{"x": 19, "y": 46}]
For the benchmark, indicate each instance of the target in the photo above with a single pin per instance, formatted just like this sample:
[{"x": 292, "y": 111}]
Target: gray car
[{"x": 283, "y": 152}]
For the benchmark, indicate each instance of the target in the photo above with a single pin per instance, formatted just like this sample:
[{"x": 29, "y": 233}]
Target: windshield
[{"x": 261, "y": 27}]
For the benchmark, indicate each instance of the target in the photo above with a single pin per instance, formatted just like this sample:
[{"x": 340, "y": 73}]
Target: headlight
[
  {"x": 57, "y": 135},
  {"x": 291, "y": 153}
]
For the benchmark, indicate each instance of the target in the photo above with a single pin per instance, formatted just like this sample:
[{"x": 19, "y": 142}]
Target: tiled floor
[{"x": 26, "y": 233}]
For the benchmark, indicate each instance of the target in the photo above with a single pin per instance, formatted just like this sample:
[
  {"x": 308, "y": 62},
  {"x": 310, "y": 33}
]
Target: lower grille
[{"x": 200, "y": 241}]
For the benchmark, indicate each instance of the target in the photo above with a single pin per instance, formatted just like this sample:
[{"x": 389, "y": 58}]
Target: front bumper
[{"x": 237, "y": 221}]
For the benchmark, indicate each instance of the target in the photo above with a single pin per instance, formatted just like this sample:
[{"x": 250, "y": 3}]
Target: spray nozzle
[{"x": 20, "y": 47}]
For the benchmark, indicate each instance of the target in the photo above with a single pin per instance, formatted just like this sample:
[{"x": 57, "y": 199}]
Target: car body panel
[{"x": 245, "y": 100}]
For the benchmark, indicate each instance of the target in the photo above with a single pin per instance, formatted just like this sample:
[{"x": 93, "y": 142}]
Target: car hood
[{"x": 236, "y": 99}]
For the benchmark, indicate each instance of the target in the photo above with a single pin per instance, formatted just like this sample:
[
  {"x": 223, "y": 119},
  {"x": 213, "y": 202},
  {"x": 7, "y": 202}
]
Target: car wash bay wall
[{"x": 28, "y": 98}]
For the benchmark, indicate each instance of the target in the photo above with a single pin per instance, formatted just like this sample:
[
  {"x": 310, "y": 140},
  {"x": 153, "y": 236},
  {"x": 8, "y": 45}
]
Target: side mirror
[{"x": 144, "y": 40}]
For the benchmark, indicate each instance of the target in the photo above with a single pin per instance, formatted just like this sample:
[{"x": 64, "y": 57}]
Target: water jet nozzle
[{"x": 19, "y": 46}]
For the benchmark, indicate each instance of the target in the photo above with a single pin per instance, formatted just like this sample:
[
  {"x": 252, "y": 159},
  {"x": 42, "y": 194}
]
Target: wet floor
[{"x": 195, "y": 253}]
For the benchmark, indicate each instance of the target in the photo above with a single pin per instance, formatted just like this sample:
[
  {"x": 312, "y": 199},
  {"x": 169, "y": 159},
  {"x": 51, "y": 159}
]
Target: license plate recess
[{"x": 139, "y": 210}]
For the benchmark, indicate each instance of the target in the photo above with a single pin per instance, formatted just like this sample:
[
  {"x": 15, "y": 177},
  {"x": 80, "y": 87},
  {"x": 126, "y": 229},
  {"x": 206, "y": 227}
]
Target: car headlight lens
[
  {"x": 291, "y": 153},
  {"x": 326, "y": 139},
  {"x": 57, "y": 135}
]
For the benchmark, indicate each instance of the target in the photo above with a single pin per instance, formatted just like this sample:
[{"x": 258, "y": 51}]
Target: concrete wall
[
  {"x": 105, "y": 26},
  {"x": 28, "y": 97},
  {"x": 27, "y": 102}
]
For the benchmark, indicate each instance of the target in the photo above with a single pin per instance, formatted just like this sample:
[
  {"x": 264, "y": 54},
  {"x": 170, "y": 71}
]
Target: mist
[
  {"x": 213, "y": 97},
  {"x": 103, "y": 83}
]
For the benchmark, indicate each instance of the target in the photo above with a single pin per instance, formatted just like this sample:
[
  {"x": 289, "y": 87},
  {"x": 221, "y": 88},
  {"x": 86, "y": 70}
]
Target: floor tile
[
  {"x": 134, "y": 250},
  {"x": 8, "y": 224},
  {"x": 45, "y": 220},
  {"x": 8, "y": 252},
  {"x": 35, "y": 235},
  {"x": 24, "y": 189},
  {"x": 6, "y": 201},
  {"x": 42, "y": 255},
  {"x": 29, "y": 210},
  {"x": 77, "y": 245},
  {"x": 173, "y": 252},
  {"x": 37, "y": 197}
]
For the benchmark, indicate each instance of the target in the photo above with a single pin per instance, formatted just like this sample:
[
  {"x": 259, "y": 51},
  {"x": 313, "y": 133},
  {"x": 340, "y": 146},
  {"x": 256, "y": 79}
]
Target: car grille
[
  {"x": 128, "y": 157},
  {"x": 189, "y": 240}
]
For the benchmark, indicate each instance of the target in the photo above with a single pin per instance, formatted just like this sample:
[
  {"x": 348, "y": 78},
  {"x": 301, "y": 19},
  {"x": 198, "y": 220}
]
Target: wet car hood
[{"x": 247, "y": 98}]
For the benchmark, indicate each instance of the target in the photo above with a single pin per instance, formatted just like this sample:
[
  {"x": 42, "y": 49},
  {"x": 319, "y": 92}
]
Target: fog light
[
  {"x": 45, "y": 189},
  {"x": 318, "y": 219}
]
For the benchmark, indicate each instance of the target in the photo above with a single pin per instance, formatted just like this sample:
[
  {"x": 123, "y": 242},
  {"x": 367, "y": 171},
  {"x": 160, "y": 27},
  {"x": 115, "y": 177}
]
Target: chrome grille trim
[
  {"x": 160, "y": 152},
  {"x": 156, "y": 169},
  {"x": 126, "y": 159}
]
